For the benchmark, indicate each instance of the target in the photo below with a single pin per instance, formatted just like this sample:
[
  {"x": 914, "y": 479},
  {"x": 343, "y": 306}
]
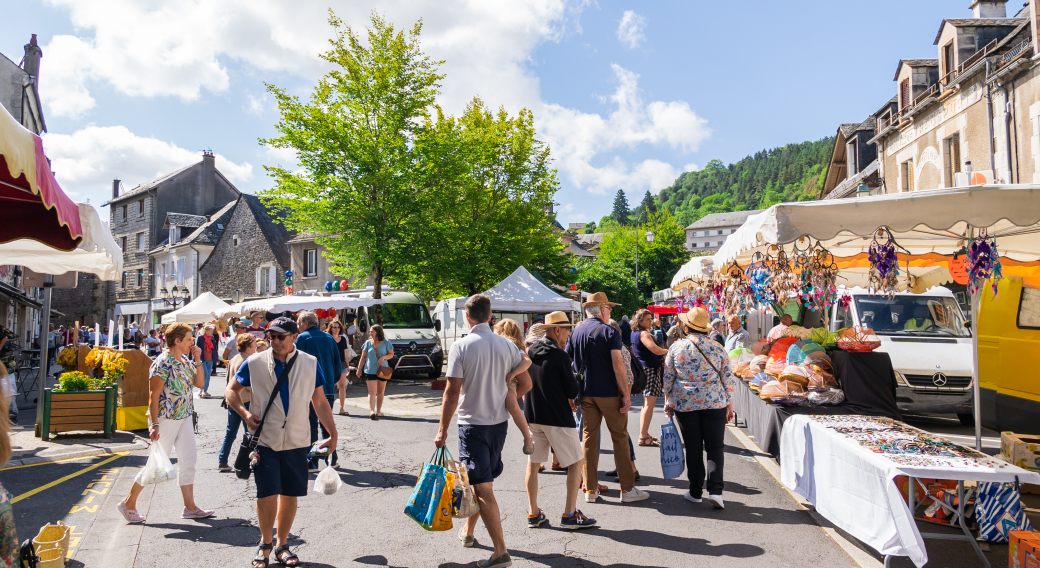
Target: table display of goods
[
  {"x": 795, "y": 372},
  {"x": 859, "y": 340}
]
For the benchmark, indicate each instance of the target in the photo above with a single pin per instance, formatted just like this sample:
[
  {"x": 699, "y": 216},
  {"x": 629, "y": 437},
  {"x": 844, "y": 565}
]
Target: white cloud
[
  {"x": 86, "y": 161},
  {"x": 691, "y": 167},
  {"x": 576, "y": 218},
  {"x": 578, "y": 138},
  {"x": 567, "y": 208},
  {"x": 630, "y": 29},
  {"x": 255, "y": 105}
]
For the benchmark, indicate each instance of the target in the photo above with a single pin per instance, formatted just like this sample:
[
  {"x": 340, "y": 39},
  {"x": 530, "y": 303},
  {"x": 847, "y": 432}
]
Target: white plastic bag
[
  {"x": 327, "y": 482},
  {"x": 158, "y": 468}
]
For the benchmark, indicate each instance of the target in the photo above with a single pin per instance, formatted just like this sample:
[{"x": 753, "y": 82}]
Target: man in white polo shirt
[{"x": 480, "y": 366}]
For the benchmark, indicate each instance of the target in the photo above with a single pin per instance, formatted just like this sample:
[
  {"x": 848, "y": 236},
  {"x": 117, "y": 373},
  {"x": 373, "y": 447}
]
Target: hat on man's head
[
  {"x": 598, "y": 299},
  {"x": 557, "y": 319},
  {"x": 696, "y": 319},
  {"x": 283, "y": 325}
]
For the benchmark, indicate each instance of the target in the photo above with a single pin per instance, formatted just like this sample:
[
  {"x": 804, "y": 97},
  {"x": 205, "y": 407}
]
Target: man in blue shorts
[
  {"x": 480, "y": 366},
  {"x": 281, "y": 472}
]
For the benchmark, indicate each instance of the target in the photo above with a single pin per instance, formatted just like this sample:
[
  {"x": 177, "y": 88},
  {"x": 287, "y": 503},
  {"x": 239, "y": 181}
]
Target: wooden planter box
[{"x": 74, "y": 411}]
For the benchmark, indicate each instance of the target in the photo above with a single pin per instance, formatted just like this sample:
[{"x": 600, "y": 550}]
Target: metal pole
[
  {"x": 45, "y": 324},
  {"x": 976, "y": 403}
]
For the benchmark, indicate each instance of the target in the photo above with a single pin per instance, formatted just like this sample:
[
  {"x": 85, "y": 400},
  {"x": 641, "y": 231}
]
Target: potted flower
[{"x": 78, "y": 403}]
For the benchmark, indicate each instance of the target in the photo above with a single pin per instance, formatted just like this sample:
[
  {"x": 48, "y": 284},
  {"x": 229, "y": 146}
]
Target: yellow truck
[{"x": 1009, "y": 357}]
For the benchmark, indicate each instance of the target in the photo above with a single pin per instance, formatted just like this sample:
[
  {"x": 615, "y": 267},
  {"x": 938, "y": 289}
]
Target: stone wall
[
  {"x": 230, "y": 267},
  {"x": 135, "y": 257},
  {"x": 86, "y": 303}
]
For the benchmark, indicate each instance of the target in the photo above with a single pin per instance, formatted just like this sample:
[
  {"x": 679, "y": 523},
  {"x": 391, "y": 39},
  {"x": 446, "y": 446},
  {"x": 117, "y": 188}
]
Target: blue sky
[{"x": 628, "y": 94}]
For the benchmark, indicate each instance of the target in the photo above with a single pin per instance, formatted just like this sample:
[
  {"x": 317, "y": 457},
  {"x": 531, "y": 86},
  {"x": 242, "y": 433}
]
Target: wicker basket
[
  {"x": 54, "y": 537},
  {"x": 50, "y": 558}
]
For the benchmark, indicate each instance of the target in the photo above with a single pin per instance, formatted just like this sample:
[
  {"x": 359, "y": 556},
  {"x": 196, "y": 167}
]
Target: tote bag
[
  {"x": 673, "y": 461},
  {"x": 424, "y": 504},
  {"x": 999, "y": 511}
]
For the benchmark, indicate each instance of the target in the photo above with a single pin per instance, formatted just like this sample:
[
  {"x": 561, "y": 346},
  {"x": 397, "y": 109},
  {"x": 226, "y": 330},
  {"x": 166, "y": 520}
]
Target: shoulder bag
[
  {"x": 638, "y": 372},
  {"x": 381, "y": 371},
  {"x": 718, "y": 373},
  {"x": 246, "y": 458}
]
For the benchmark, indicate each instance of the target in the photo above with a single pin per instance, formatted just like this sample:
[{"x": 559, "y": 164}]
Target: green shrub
[{"x": 74, "y": 381}]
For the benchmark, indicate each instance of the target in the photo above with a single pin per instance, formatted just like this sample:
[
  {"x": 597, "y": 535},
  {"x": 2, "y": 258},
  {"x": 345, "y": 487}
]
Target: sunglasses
[{"x": 277, "y": 336}]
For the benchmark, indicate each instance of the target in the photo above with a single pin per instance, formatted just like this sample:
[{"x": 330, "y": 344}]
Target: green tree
[
  {"x": 646, "y": 208},
  {"x": 355, "y": 139},
  {"x": 488, "y": 184},
  {"x": 620, "y": 212},
  {"x": 613, "y": 271},
  {"x": 590, "y": 227}
]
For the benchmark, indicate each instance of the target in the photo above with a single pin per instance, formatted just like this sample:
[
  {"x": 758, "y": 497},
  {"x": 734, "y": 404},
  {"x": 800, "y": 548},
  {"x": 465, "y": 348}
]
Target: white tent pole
[{"x": 975, "y": 388}]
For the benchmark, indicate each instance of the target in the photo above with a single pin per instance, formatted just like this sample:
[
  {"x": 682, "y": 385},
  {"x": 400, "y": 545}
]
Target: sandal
[
  {"x": 285, "y": 558},
  {"x": 261, "y": 561},
  {"x": 649, "y": 441}
]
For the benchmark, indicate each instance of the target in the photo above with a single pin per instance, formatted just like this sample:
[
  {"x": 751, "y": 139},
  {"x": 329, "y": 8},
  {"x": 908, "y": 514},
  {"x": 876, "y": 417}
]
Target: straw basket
[
  {"x": 50, "y": 558},
  {"x": 54, "y": 537}
]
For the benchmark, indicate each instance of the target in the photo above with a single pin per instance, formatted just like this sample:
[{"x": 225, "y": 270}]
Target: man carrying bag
[{"x": 280, "y": 464}]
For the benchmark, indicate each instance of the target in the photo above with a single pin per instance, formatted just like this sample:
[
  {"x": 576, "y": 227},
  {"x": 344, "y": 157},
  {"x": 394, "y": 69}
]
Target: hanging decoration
[
  {"x": 328, "y": 286},
  {"x": 983, "y": 262},
  {"x": 884, "y": 263}
]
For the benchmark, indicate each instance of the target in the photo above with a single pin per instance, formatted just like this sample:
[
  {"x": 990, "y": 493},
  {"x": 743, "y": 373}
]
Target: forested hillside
[{"x": 790, "y": 173}]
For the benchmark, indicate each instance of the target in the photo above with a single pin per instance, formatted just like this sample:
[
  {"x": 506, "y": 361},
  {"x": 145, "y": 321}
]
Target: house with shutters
[
  {"x": 854, "y": 161},
  {"x": 251, "y": 255}
]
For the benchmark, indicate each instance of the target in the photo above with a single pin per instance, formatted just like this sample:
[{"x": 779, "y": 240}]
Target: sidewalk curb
[
  {"x": 138, "y": 444},
  {"x": 853, "y": 548}
]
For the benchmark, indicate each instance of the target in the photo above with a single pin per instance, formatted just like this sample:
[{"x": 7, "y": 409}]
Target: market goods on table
[{"x": 859, "y": 340}]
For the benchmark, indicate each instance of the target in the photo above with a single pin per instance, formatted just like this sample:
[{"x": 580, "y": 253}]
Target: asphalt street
[{"x": 364, "y": 524}]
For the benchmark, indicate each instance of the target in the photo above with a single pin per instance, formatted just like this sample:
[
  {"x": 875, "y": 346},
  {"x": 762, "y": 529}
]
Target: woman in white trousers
[{"x": 170, "y": 410}]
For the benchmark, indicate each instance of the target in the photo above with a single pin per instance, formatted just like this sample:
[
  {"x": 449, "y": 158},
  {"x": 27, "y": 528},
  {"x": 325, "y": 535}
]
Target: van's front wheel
[{"x": 967, "y": 419}]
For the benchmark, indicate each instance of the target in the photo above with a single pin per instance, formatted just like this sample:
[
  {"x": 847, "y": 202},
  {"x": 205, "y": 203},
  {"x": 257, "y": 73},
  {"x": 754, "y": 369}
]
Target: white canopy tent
[
  {"x": 697, "y": 267},
  {"x": 929, "y": 224},
  {"x": 521, "y": 292},
  {"x": 201, "y": 309},
  {"x": 96, "y": 254},
  {"x": 297, "y": 303}
]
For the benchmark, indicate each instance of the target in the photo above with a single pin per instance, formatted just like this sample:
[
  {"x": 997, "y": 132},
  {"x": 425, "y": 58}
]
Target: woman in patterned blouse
[
  {"x": 8, "y": 538},
  {"x": 698, "y": 392},
  {"x": 170, "y": 410}
]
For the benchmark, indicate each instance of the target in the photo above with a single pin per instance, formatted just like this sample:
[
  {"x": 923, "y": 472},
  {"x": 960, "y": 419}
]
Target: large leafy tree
[
  {"x": 355, "y": 140},
  {"x": 488, "y": 187},
  {"x": 620, "y": 211},
  {"x": 614, "y": 272}
]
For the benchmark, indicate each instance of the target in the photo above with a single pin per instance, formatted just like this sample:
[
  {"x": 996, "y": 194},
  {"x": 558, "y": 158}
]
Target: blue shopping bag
[
  {"x": 422, "y": 506},
  {"x": 998, "y": 511},
  {"x": 673, "y": 460}
]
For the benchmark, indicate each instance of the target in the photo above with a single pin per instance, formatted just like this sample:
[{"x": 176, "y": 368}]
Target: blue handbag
[
  {"x": 423, "y": 504},
  {"x": 673, "y": 460},
  {"x": 998, "y": 511}
]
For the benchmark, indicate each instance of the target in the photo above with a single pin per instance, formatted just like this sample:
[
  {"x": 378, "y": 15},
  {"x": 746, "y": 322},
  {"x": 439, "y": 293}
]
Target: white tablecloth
[{"x": 854, "y": 487}]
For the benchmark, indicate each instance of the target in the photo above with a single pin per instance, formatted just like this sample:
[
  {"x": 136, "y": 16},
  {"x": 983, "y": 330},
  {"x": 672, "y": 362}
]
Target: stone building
[
  {"x": 709, "y": 232},
  {"x": 853, "y": 160},
  {"x": 251, "y": 256}
]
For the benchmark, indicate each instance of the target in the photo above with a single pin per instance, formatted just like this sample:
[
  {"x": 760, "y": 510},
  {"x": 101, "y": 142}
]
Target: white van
[
  {"x": 409, "y": 328},
  {"x": 450, "y": 321},
  {"x": 928, "y": 341}
]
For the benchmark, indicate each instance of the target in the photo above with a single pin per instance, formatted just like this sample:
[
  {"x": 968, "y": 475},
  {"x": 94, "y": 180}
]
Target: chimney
[
  {"x": 209, "y": 175},
  {"x": 31, "y": 63},
  {"x": 115, "y": 188},
  {"x": 988, "y": 9}
]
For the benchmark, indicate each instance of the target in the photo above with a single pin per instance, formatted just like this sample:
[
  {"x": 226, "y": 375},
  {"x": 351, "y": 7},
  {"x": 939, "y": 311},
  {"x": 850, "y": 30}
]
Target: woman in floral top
[
  {"x": 8, "y": 538},
  {"x": 698, "y": 392},
  {"x": 170, "y": 410}
]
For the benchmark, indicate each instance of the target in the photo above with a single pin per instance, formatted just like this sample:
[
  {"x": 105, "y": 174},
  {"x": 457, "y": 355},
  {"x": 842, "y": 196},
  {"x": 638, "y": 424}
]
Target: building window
[
  {"x": 907, "y": 172},
  {"x": 852, "y": 158},
  {"x": 140, "y": 208},
  {"x": 263, "y": 280},
  {"x": 952, "y": 159},
  {"x": 173, "y": 235},
  {"x": 731, "y": 231},
  {"x": 947, "y": 61},
  {"x": 904, "y": 93},
  {"x": 180, "y": 271},
  {"x": 720, "y": 232},
  {"x": 693, "y": 234},
  {"x": 122, "y": 243},
  {"x": 310, "y": 263},
  {"x": 694, "y": 245},
  {"x": 122, "y": 210},
  {"x": 122, "y": 283},
  {"x": 234, "y": 241},
  {"x": 140, "y": 277},
  {"x": 720, "y": 243},
  {"x": 140, "y": 242}
]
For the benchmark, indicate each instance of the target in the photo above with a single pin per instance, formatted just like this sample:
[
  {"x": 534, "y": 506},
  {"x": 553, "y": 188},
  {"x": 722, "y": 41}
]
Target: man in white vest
[{"x": 281, "y": 471}]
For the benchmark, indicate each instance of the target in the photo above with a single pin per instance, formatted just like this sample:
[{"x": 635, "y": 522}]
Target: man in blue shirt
[{"x": 314, "y": 341}]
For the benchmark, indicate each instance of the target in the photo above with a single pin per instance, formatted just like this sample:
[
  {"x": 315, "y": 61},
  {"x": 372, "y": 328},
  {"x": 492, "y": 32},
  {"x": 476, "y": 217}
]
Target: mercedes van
[{"x": 928, "y": 341}]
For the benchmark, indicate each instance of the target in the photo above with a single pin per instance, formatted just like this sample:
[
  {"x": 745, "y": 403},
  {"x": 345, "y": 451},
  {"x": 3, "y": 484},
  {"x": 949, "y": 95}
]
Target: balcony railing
[
  {"x": 948, "y": 78},
  {"x": 1011, "y": 54},
  {"x": 929, "y": 92},
  {"x": 978, "y": 55}
]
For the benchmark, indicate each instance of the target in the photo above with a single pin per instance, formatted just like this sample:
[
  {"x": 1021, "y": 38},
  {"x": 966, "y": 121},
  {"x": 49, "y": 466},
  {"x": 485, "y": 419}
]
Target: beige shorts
[{"x": 564, "y": 442}]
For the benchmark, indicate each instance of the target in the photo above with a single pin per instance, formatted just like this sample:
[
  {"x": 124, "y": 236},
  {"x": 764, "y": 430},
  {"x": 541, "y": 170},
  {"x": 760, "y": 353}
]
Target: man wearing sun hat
[
  {"x": 548, "y": 411},
  {"x": 595, "y": 349}
]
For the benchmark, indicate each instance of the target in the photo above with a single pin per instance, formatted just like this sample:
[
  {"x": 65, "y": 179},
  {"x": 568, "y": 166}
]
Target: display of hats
[
  {"x": 799, "y": 352},
  {"x": 780, "y": 389},
  {"x": 820, "y": 380},
  {"x": 817, "y": 356},
  {"x": 759, "y": 380},
  {"x": 858, "y": 340},
  {"x": 822, "y": 366},
  {"x": 734, "y": 353},
  {"x": 796, "y": 374},
  {"x": 760, "y": 361},
  {"x": 778, "y": 355}
]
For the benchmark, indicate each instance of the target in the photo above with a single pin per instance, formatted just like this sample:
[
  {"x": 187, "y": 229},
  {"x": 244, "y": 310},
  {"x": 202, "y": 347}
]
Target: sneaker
[
  {"x": 689, "y": 497},
  {"x": 633, "y": 495},
  {"x": 536, "y": 520},
  {"x": 130, "y": 515},
  {"x": 223, "y": 467},
  {"x": 467, "y": 539},
  {"x": 577, "y": 521},
  {"x": 591, "y": 496},
  {"x": 196, "y": 514},
  {"x": 501, "y": 562},
  {"x": 716, "y": 501}
]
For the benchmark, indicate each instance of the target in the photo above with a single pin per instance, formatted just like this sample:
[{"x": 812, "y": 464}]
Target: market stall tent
[
  {"x": 297, "y": 303},
  {"x": 97, "y": 252},
  {"x": 521, "y": 292},
  {"x": 932, "y": 225},
  {"x": 201, "y": 309},
  {"x": 697, "y": 267}
]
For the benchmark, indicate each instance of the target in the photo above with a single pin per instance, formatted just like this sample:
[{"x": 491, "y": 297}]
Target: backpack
[{"x": 638, "y": 374}]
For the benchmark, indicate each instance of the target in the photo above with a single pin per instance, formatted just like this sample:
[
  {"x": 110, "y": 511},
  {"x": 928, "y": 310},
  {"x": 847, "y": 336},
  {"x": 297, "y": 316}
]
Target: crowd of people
[{"x": 559, "y": 384}]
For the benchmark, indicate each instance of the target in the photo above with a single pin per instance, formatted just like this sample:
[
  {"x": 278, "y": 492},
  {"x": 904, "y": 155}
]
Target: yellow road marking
[
  {"x": 28, "y": 494},
  {"x": 57, "y": 461}
]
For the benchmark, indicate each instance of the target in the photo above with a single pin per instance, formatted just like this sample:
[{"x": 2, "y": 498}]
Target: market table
[
  {"x": 765, "y": 420},
  {"x": 846, "y": 467}
]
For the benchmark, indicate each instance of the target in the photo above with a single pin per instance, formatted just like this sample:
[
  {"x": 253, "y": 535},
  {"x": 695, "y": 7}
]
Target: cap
[{"x": 283, "y": 325}]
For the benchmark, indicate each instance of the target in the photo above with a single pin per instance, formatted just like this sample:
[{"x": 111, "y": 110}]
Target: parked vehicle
[
  {"x": 1009, "y": 344},
  {"x": 928, "y": 341},
  {"x": 409, "y": 328},
  {"x": 450, "y": 321}
]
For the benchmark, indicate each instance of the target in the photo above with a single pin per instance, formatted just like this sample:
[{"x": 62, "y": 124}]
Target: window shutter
[{"x": 258, "y": 280}]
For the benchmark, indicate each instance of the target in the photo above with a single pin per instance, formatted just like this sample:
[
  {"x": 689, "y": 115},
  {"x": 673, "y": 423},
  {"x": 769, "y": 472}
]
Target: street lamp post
[
  {"x": 175, "y": 296},
  {"x": 649, "y": 239}
]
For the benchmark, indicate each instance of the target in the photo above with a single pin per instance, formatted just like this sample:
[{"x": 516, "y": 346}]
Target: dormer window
[{"x": 173, "y": 235}]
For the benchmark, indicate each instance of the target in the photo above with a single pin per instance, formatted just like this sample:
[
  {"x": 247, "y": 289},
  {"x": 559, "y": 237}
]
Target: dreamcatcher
[
  {"x": 884, "y": 264},
  {"x": 784, "y": 280},
  {"x": 820, "y": 279},
  {"x": 759, "y": 279},
  {"x": 983, "y": 262},
  {"x": 741, "y": 297}
]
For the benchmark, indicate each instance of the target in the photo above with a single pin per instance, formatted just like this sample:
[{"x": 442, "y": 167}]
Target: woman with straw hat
[{"x": 698, "y": 393}]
